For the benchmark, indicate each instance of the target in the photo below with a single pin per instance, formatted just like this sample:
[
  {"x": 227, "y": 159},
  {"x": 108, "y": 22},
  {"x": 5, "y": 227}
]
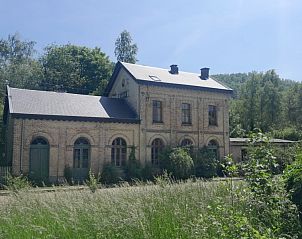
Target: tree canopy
[
  {"x": 75, "y": 69},
  {"x": 125, "y": 50}
]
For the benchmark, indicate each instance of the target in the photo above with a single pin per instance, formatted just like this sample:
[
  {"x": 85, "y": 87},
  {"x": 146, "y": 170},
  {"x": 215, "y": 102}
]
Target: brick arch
[
  {"x": 44, "y": 135},
  {"x": 160, "y": 137},
  {"x": 214, "y": 138},
  {"x": 119, "y": 135},
  {"x": 81, "y": 135},
  {"x": 187, "y": 137}
]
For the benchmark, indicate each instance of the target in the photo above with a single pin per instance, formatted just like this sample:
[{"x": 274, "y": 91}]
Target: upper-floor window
[
  {"x": 186, "y": 113},
  {"x": 157, "y": 112},
  {"x": 213, "y": 115},
  {"x": 124, "y": 94}
]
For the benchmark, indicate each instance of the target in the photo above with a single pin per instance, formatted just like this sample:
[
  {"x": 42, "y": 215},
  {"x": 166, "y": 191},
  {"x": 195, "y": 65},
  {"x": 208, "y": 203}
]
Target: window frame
[
  {"x": 81, "y": 145},
  {"x": 119, "y": 152},
  {"x": 157, "y": 111},
  {"x": 157, "y": 147},
  {"x": 213, "y": 115},
  {"x": 186, "y": 114}
]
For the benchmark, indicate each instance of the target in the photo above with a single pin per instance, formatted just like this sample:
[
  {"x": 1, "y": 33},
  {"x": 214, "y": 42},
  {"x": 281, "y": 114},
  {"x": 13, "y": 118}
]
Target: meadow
[{"x": 165, "y": 209}]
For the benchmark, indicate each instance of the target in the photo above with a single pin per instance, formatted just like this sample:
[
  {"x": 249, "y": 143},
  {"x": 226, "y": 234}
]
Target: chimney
[
  {"x": 174, "y": 69},
  {"x": 204, "y": 73}
]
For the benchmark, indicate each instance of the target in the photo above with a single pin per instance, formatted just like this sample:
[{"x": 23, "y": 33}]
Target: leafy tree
[
  {"x": 75, "y": 69},
  {"x": 125, "y": 50},
  {"x": 180, "y": 163},
  {"x": 205, "y": 163},
  {"x": 293, "y": 181},
  {"x": 18, "y": 67}
]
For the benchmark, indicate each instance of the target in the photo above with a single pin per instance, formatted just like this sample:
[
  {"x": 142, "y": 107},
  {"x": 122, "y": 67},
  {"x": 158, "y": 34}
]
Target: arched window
[
  {"x": 39, "y": 141},
  {"x": 214, "y": 147},
  {"x": 119, "y": 152},
  {"x": 186, "y": 142},
  {"x": 157, "y": 147},
  {"x": 81, "y": 153}
]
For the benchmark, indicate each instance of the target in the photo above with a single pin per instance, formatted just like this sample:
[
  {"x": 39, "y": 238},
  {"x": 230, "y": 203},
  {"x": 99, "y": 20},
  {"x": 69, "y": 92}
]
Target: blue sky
[{"x": 226, "y": 35}]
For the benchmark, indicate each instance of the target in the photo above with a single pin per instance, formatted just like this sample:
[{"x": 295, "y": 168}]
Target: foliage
[
  {"x": 18, "y": 67},
  {"x": 293, "y": 181},
  {"x": 205, "y": 163},
  {"x": 288, "y": 133},
  {"x": 180, "y": 163},
  {"x": 16, "y": 183},
  {"x": 125, "y": 50},
  {"x": 260, "y": 164},
  {"x": 75, "y": 69},
  {"x": 68, "y": 174},
  {"x": 92, "y": 181},
  {"x": 173, "y": 210},
  {"x": 112, "y": 174},
  {"x": 269, "y": 202},
  {"x": 133, "y": 168}
]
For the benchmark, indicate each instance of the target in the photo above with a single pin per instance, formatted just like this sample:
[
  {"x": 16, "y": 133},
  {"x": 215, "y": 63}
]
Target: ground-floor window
[
  {"x": 214, "y": 147},
  {"x": 119, "y": 152},
  {"x": 157, "y": 147},
  {"x": 81, "y": 153}
]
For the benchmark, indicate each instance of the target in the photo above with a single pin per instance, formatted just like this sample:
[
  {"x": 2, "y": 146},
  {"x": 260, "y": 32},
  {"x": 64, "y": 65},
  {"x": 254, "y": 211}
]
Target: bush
[
  {"x": 92, "y": 181},
  {"x": 180, "y": 163},
  {"x": 293, "y": 181},
  {"x": 133, "y": 168},
  {"x": 112, "y": 174},
  {"x": 205, "y": 163},
  {"x": 16, "y": 183},
  {"x": 68, "y": 174}
]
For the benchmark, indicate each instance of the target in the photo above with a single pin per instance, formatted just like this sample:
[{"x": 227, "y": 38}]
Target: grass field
[{"x": 168, "y": 210}]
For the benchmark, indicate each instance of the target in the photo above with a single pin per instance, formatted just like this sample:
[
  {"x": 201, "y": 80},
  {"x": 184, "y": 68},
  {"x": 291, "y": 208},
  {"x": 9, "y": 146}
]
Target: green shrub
[
  {"x": 92, "y": 181},
  {"x": 16, "y": 183},
  {"x": 180, "y": 163},
  {"x": 133, "y": 168},
  {"x": 68, "y": 174},
  {"x": 148, "y": 172},
  {"x": 293, "y": 181},
  {"x": 205, "y": 163},
  {"x": 112, "y": 174}
]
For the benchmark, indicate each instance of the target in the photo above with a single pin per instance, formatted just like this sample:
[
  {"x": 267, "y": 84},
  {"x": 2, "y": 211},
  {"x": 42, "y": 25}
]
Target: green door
[{"x": 39, "y": 161}]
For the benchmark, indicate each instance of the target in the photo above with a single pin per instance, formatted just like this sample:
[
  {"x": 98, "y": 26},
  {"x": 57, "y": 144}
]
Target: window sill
[
  {"x": 157, "y": 122},
  {"x": 186, "y": 124}
]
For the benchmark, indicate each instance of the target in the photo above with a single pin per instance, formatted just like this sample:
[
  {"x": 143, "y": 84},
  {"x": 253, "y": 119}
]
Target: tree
[
  {"x": 76, "y": 69},
  {"x": 125, "y": 50},
  {"x": 18, "y": 65}
]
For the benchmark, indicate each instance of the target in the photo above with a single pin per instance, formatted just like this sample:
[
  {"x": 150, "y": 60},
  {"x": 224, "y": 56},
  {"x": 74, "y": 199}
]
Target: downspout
[
  {"x": 21, "y": 147},
  {"x": 139, "y": 127}
]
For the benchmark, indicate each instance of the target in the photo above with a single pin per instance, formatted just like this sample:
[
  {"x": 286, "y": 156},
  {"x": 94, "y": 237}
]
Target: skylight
[{"x": 154, "y": 78}]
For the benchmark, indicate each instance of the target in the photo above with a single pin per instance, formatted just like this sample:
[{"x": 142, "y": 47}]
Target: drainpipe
[{"x": 21, "y": 146}]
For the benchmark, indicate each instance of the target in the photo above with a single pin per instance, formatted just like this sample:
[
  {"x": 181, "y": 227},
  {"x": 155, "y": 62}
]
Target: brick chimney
[
  {"x": 204, "y": 73},
  {"x": 174, "y": 69}
]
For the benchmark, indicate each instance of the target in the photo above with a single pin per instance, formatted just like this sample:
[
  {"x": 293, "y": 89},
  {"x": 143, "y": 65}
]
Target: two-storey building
[{"x": 145, "y": 107}]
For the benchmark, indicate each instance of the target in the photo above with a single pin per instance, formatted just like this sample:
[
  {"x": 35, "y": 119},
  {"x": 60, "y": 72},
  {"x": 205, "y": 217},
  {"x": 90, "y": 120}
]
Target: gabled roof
[
  {"x": 162, "y": 77},
  {"x": 66, "y": 106}
]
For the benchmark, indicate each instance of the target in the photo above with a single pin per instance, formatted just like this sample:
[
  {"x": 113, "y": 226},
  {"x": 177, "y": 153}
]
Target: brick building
[{"x": 146, "y": 107}]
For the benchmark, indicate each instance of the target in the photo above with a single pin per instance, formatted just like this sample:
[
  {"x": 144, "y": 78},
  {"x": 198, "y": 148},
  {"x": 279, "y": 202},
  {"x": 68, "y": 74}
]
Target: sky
[{"x": 228, "y": 36}]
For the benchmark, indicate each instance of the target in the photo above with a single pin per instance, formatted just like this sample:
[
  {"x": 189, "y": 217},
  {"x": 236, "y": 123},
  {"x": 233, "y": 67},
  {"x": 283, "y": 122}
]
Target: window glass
[
  {"x": 157, "y": 147},
  {"x": 157, "y": 111},
  {"x": 119, "y": 152},
  {"x": 186, "y": 113},
  {"x": 212, "y": 115}
]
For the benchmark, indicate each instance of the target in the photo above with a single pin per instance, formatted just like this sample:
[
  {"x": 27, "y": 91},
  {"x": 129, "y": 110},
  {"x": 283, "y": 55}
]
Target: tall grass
[{"x": 168, "y": 210}]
